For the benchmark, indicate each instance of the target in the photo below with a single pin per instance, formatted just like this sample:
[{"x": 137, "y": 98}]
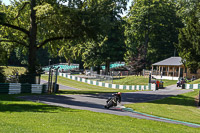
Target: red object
[{"x": 157, "y": 82}]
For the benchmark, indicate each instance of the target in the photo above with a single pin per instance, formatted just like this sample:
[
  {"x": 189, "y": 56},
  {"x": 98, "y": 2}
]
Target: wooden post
[
  {"x": 156, "y": 70},
  {"x": 199, "y": 99},
  {"x": 179, "y": 71},
  {"x": 159, "y": 70},
  {"x": 152, "y": 70},
  {"x": 173, "y": 71},
  {"x": 168, "y": 71}
]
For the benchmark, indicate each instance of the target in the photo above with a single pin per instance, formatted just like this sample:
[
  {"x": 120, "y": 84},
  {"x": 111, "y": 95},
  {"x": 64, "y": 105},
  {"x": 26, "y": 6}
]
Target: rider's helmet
[{"x": 119, "y": 93}]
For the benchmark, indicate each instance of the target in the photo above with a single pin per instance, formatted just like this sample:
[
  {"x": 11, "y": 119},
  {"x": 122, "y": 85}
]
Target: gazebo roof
[{"x": 172, "y": 61}]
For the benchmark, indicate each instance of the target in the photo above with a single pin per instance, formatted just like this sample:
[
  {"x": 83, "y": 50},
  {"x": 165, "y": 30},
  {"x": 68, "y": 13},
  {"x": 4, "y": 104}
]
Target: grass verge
[
  {"x": 139, "y": 80},
  {"x": 20, "y": 116},
  {"x": 84, "y": 87},
  {"x": 181, "y": 107},
  {"x": 195, "y": 82}
]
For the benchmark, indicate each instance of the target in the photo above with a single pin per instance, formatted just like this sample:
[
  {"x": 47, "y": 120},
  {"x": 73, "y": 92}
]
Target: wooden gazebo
[{"x": 170, "y": 68}]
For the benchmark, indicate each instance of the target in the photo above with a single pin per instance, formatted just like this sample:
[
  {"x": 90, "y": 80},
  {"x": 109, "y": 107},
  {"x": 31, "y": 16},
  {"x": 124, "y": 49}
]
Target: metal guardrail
[{"x": 102, "y": 78}]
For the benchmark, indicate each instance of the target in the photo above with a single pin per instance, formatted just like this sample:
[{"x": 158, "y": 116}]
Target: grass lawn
[
  {"x": 9, "y": 70},
  {"x": 195, "y": 82},
  {"x": 181, "y": 107},
  {"x": 139, "y": 80},
  {"x": 84, "y": 87},
  {"x": 18, "y": 116}
]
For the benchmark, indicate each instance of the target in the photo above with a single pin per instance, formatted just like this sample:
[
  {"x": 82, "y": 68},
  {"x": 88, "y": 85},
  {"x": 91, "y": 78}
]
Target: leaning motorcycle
[{"x": 112, "y": 101}]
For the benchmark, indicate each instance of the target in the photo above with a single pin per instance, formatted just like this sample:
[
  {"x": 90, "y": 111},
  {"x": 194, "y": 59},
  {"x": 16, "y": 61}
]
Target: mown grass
[
  {"x": 168, "y": 82},
  {"x": 131, "y": 80},
  {"x": 139, "y": 80},
  {"x": 182, "y": 107},
  {"x": 9, "y": 70},
  {"x": 195, "y": 82},
  {"x": 84, "y": 87},
  {"x": 18, "y": 116}
]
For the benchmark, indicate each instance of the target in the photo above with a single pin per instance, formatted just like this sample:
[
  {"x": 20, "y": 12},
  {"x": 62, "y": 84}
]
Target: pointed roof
[{"x": 172, "y": 61}]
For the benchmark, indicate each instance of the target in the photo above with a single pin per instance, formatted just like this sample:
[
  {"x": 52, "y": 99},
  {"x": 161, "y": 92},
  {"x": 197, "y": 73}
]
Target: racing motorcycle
[{"x": 112, "y": 101}]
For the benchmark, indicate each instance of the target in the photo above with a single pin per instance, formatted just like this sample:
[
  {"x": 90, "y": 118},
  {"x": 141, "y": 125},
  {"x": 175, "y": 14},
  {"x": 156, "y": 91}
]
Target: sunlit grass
[
  {"x": 182, "y": 107},
  {"x": 139, "y": 80},
  {"x": 195, "y": 82},
  {"x": 84, "y": 87}
]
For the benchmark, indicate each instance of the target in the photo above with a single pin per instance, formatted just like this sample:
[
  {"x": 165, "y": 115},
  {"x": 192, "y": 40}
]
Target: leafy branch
[
  {"x": 16, "y": 28},
  {"x": 15, "y": 41}
]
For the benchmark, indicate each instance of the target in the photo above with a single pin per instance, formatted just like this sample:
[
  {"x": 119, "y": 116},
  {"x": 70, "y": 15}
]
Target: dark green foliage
[
  {"x": 108, "y": 50},
  {"x": 189, "y": 37},
  {"x": 137, "y": 63},
  {"x": 152, "y": 25},
  {"x": 108, "y": 47},
  {"x": 35, "y": 24}
]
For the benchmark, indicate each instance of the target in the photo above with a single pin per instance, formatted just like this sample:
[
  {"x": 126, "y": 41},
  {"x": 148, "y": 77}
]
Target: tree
[
  {"x": 107, "y": 47},
  {"x": 106, "y": 50},
  {"x": 189, "y": 37},
  {"x": 152, "y": 25},
  {"x": 35, "y": 24},
  {"x": 110, "y": 47},
  {"x": 3, "y": 55}
]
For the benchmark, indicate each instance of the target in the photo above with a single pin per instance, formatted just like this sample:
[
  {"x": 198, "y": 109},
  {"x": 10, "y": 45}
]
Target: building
[{"x": 172, "y": 68}]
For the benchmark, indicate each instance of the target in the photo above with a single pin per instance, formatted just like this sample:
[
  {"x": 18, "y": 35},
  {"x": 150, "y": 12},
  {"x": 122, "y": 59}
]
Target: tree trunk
[
  {"x": 32, "y": 38},
  {"x": 32, "y": 60},
  {"x": 107, "y": 67},
  {"x": 98, "y": 69}
]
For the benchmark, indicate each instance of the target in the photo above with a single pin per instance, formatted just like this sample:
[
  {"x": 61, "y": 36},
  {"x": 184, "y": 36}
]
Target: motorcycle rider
[
  {"x": 118, "y": 96},
  {"x": 113, "y": 101}
]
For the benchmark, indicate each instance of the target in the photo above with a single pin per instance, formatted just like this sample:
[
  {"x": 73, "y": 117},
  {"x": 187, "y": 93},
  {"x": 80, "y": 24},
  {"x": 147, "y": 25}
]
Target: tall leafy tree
[
  {"x": 152, "y": 25},
  {"x": 189, "y": 37},
  {"x": 35, "y": 24},
  {"x": 3, "y": 54},
  {"x": 107, "y": 47},
  {"x": 106, "y": 50}
]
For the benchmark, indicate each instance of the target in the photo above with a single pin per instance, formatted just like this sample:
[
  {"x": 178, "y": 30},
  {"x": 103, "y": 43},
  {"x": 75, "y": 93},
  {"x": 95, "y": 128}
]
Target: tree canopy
[
  {"x": 93, "y": 31},
  {"x": 152, "y": 26},
  {"x": 107, "y": 47},
  {"x": 34, "y": 24},
  {"x": 189, "y": 37}
]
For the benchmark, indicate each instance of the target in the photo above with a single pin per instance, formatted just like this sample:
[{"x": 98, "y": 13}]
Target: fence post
[
  {"x": 199, "y": 99},
  {"x": 49, "y": 79},
  {"x": 150, "y": 77},
  {"x": 55, "y": 85}
]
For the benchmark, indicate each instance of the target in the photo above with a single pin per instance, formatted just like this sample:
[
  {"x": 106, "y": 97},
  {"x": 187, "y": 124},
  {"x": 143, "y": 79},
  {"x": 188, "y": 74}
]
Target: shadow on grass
[
  {"x": 83, "y": 92},
  {"x": 32, "y": 108},
  {"x": 8, "y": 103},
  {"x": 118, "y": 78}
]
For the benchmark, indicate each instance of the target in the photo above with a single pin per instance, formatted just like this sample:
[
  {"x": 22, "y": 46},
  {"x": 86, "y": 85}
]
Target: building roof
[{"x": 172, "y": 61}]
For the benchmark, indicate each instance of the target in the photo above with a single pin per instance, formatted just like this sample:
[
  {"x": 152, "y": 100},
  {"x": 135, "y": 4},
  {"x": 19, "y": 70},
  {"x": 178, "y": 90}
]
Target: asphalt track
[{"x": 96, "y": 102}]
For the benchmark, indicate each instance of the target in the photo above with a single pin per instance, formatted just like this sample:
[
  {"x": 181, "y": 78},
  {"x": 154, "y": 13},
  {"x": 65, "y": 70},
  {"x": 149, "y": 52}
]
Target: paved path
[{"x": 95, "y": 103}]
